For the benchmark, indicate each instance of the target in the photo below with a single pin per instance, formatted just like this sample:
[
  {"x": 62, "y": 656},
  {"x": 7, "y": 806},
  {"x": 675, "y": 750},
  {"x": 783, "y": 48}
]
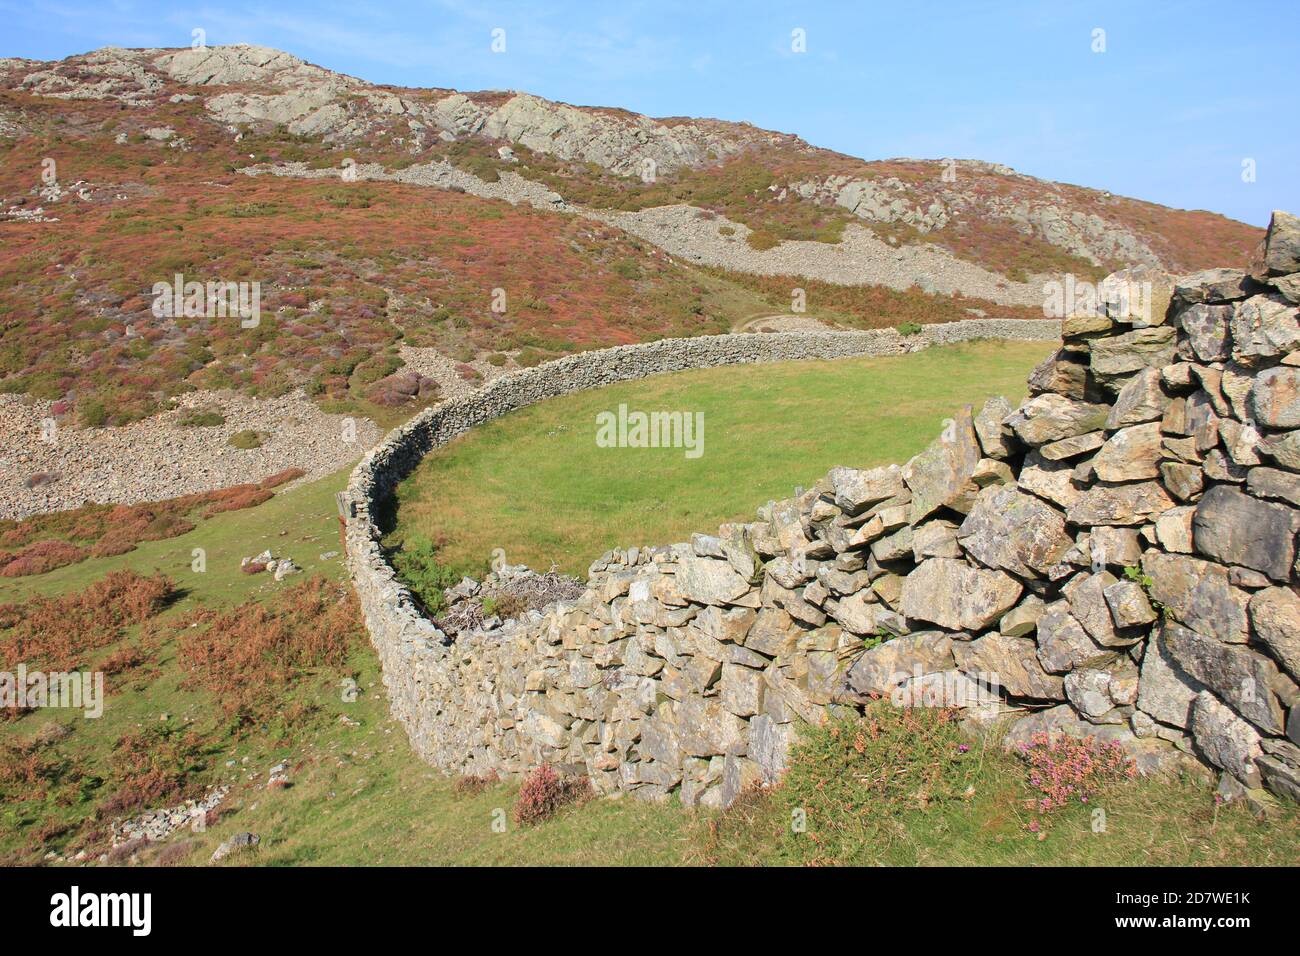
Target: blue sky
[{"x": 1183, "y": 94}]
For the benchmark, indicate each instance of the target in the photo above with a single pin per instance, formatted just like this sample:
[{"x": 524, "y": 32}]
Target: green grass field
[
  {"x": 535, "y": 483},
  {"x": 358, "y": 796}
]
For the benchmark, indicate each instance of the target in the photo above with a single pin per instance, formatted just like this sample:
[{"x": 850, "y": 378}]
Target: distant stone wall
[{"x": 1116, "y": 558}]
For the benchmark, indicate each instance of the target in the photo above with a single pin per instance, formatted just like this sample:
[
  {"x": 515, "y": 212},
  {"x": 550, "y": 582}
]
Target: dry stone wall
[{"x": 1116, "y": 557}]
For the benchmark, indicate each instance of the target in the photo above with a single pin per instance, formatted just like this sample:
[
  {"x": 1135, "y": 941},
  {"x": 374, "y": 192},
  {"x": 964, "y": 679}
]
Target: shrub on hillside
[
  {"x": 249, "y": 655},
  {"x": 202, "y": 418},
  {"x": 153, "y": 767},
  {"x": 57, "y": 633},
  {"x": 246, "y": 439},
  {"x": 91, "y": 413},
  {"x": 544, "y": 792},
  {"x": 761, "y": 239},
  {"x": 402, "y": 387},
  {"x": 238, "y": 498},
  {"x": 418, "y": 566},
  {"x": 471, "y": 785},
  {"x": 40, "y": 557},
  {"x": 106, "y": 530},
  {"x": 27, "y": 771},
  {"x": 281, "y": 478}
]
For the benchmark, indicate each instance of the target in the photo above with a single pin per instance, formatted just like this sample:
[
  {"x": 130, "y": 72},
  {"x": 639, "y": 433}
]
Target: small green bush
[
  {"x": 202, "y": 418},
  {"x": 245, "y": 439},
  {"x": 627, "y": 268},
  {"x": 91, "y": 413},
  {"x": 909, "y": 328},
  {"x": 418, "y": 566}
]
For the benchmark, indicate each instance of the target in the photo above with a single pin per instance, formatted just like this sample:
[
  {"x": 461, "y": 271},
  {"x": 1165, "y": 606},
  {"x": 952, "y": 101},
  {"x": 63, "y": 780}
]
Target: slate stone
[{"x": 1236, "y": 528}]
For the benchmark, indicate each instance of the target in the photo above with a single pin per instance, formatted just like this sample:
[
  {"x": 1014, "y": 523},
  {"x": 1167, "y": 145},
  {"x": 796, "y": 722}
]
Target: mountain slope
[{"x": 382, "y": 230}]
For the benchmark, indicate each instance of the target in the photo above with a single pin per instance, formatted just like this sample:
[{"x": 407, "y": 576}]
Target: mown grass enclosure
[{"x": 537, "y": 484}]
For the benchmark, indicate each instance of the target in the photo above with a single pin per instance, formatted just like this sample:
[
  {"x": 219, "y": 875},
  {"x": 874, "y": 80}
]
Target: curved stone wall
[
  {"x": 427, "y": 691},
  {"x": 1116, "y": 558}
]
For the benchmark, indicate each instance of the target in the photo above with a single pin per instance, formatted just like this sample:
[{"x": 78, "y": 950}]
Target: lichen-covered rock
[
  {"x": 1114, "y": 359},
  {"x": 1212, "y": 285},
  {"x": 1051, "y": 417},
  {"x": 1129, "y": 606},
  {"x": 935, "y": 539},
  {"x": 1008, "y": 662},
  {"x": 1208, "y": 330},
  {"x": 773, "y": 632},
  {"x": 1265, "y": 326},
  {"x": 1119, "y": 504},
  {"x": 769, "y": 746},
  {"x": 1275, "y": 397},
  {"x": 1140, "y": 400},
  {"x": 1058, "y": 374},
  {"x": 1165, "y": 690},
  {"x": 741, "y": 690},
  {"x": 1174, "y": 530},
  {"x": 709, "y": 581},
  {"x": 1199, "y": 594},
  {"x": 1130, "y": 454},
  {"x": 1282, "y": 244},
  {"x": 988, "y": 427},
  {"x": 1015, "y": 532},
  {"x": 1227, "y": 741},
  {"x": 956, "y": 596},
  {"x": 1074, "y": 447},
  {"x": 1089, "y": 691},
  {"x": 941, "y": 475},
  {"x": 1063, "y": 643},
  {"x": 1052, "y": 481},
  {"x": 1283, "y": 448},
  {"x": 1184, "y": 481},
  {"x": 1236, "y": 674},
  {"x": 1116, "y": 547},
  {"x": 1274, "y": 484},
  {"x": 1236, "y": 528},
  {"x": 883, "y": 668},
  {"x": 856, "y": 490},
  {"x": 1086, "y": 594},
  {"x": 1023, "y": 618},
  {"x": 1275, "y": 616},
  {"x": 856, "y": 613}
]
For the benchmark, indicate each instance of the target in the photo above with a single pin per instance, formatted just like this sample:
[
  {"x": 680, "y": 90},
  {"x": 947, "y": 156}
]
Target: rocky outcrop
[
  {"x": 1045, "y": 555},
  {"x": 244, "y": 89},
  {"x": 889, "y": 200}
]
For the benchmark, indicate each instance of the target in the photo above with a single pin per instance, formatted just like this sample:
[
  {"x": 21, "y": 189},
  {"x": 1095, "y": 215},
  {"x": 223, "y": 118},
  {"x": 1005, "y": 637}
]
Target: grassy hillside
[
  {"x": 215, "y": 677},
  {"x": 536, "y": 484},
  {"x": 234, "y": 674}
]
